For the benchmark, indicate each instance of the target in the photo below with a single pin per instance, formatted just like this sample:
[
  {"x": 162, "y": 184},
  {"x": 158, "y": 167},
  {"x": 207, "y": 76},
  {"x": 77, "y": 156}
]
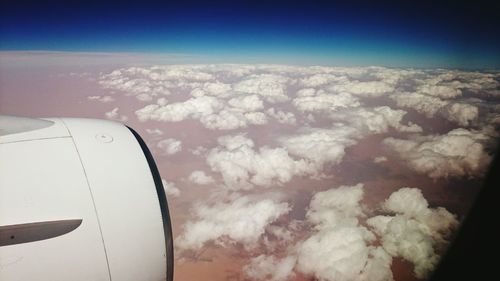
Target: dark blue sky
[{"x": 424, "y": 34}]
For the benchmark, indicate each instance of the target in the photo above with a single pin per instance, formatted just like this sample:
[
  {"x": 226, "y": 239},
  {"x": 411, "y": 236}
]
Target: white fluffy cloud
[
  {"x": 442, "y": 91},
  {"x": 366, "y": 89},
  {"x": 309, "y": 118},
  {"x": 375, "y": 120},
  {"x": 170, "y": 146},
  {"x": 321, "y": 79},
  {"x": 272, "y": 87},
  {"x": 247, "y": 103},
  {"x": 340, "y": 249},
  {"x": 103, "y": 99},
  {"x": 114, "y": 115},
  {"x": 422, "y": 103},
  {"x": 155, "y": 132},
  {"x": 242, "y": 219},
  {"x": 230, "y": 118},
  {"x": 170, "y": 188},
  {"x": 325, "y": 102},
  {"x": 199, "y": 177},
  {"x": 321, "y": 146},
  {"x": 270, "y": 268},
  {"x": 461, "y": 113},
  {"x": 458, "y": 153},
  {"x": 282, "y": 117},
  {"x": 415, "y": 230},
  {"x": 242, "y": 166},
  {"x": 193, "y": 108}
]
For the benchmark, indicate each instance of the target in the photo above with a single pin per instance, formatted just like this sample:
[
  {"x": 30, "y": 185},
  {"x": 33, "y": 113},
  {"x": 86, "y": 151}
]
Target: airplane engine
[{"x": 80, "y": 199}]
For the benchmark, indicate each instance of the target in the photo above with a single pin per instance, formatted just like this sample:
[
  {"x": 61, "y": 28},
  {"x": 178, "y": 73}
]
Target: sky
[{"x": 399, "y": 34}]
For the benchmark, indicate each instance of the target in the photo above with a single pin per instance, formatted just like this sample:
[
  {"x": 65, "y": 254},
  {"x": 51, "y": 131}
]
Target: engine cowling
[{"x": 80, "y": 199}]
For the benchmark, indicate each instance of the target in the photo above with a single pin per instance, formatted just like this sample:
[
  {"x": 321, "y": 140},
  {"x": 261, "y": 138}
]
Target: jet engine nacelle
[{"x": 80, "y": 199}]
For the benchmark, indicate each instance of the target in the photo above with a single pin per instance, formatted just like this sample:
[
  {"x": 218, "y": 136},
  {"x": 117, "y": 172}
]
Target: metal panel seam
[{"x": 92, "y": 196}]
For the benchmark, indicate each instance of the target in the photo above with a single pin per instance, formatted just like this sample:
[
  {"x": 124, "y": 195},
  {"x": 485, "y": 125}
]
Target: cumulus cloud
[
  {"x": 442, "y": 91},
  {"x": 114, "y": 115},
  {"x": 242, "y": 219},
  {"x": 379, "y": 159},
  {"x": 272, "y": 87},
  {"x": 366, "y": 89},
  {"x": 213, "y": 89},
  {"x": 170, "y": 188},
  {"x": 376, "y": 120},
  {"x": 461, "y": 113},
  {"x": 325, "y": 102},
  {"x": 170, "y": 146},
  {"x": 199, "y": 177},
  {"x": 415, "y": 231},
  {"x": 340, "y": 249},
  {"x": 321, "y": 146},
  {"x": 314, "y": 115},
  {"x": 270, "y": 268},
  {"x": 155, "y": 132},
  {"x": 242, "y": 166},
  {"x": 247, "y": 103},
  {"x": 103, "y": 99},
  {"x": 193, "y": 108},
  {"x": 458, "y": 153},
  {"x": 282, "y": 117},
  {"x": 422, "y": 103},
  {"x": 321, "y": 79},
  {"x": 230, "y": 118}
]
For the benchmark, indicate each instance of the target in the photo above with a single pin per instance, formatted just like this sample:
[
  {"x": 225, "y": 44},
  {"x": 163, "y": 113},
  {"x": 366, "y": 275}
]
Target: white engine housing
[{"x": 80, "y": 199}]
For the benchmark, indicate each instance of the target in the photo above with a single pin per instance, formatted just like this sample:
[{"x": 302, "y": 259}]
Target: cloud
[
  {"x": 422, "y": 103},
  {"x": 379, "y": 159},
  {"x": 162, "y": 101},
  {"x": 229, "y": 119},
  {"x": 321, "y": 146},
  {"x": 199, "y": 177},
  {"x": 325, "y": 102},
  {"x": 375, "y": 120},
  {"x": 461, "y": 113},
  {"x": 458, "y": 153},
  {"x": 170, "y": 188},
  {"x": 247, "y": 103},
  {"x": 242, "y": 219},
  {"x": 336, "y": 206},
  {"x": 441, "y": 91},
  {"x": 282, "y": 117},
  {"x": 415, "y": 231},
  {"x": 340, "y": 249},
  {"x": 103, "y": 99},
  {"x": 365, "y": 89},
  {"x": 170, "y": 146},
  {"x": 309, "y": 118},
  {"x": 155, "y": 132},
  {"x": 242, "y": 166},
  {"x": 270, "y": 268},
  {"x": 114, "y": 115},
  {"x": 193, "y": 108},
  {"x": 272, "y": 87},
  {"x": 321, "y": 79},
  {"x": 213, "y": 89}
]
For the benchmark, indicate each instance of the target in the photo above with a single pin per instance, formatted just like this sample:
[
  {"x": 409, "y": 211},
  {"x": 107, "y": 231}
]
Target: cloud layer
[{"x": 263, "y": 139}]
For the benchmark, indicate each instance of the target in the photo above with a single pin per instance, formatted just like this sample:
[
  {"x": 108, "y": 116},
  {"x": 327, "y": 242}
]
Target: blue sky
[{"x": 427, "y": 34}]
